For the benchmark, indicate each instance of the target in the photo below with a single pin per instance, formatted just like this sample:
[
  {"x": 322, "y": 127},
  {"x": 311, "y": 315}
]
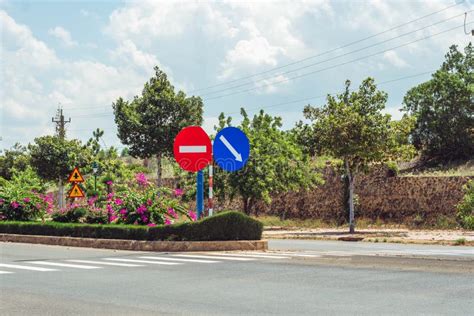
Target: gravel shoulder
[{"x": 441, "y": 237}]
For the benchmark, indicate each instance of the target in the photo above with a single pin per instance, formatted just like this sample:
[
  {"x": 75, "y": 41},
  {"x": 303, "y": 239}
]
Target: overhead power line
[
  {"x": 300, "y": 99},
  {"x": 332, "y": 58},
  {"x": 328, "y": 51},
  {"x": 318, "y": 55},
  {"x": 93, "y": 115},
  {"x": 335, "y": 66},
  {"x": 334, "y": 93}
]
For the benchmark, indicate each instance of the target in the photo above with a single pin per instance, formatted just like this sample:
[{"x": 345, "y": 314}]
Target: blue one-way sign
[{"x": 231, "y": 149}]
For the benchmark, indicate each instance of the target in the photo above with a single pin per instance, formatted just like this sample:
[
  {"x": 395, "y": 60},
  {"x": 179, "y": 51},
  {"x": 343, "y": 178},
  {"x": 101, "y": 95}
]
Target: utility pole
[
  {"x": 61, "y": 133},
  {"x": 60, "y": 123}
]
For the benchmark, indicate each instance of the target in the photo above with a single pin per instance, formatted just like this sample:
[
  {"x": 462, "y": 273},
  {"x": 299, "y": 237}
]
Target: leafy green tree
[
  {"x": 276, "y": 163},
  {"x": 352, "y": 127},
  {"x": 53, "y": 159},
  {"x": 444, "y": 109},
  {"x": 466, "y": 207},
  {"x": 94, "y": 141},
  {"x": 124, "y": 152},
  {"x": 149, "y": 124},
  {"x": 16, "y": 158},
  {"x": 401, "y": 148}
]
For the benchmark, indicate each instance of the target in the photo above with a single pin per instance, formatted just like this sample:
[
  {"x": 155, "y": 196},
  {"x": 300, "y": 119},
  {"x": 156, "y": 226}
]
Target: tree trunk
[
  {"x": 351, "y": 198},
  {"x": 246, "y": 205},
  {"x": 159, "y": 170}
]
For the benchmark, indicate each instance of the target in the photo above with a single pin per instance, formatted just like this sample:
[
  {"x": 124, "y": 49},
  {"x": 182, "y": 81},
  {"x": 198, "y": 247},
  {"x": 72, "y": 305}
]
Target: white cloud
[
  {"x": 128, "y": 52},
  {"x": 29, "y": 98},
  {"x": 33, "y": 52},
  {"x": 394, "y": 112},
  {"x": 393, "y": 58},
  {"x": 260, "y": 34},
  {"x": 145, "y": 20},
  {"x": 272, "y": 84},
  {"x": 85, "y": 13},
  {"x": 63, "y": 35},
  {"x": 209, "y": 123},
  {"x": 249, "y": 53}
]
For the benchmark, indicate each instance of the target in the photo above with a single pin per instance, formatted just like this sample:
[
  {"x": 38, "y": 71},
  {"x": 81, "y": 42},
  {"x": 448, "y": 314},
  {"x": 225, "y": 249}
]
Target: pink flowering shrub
[
  {"x": 139, "y": 202},
  {"x": 147, "y": 206},
  {"x": 19, "y": 204},
  {"x": 141, "y": 179},
  {"x": 72, "y": 213}
]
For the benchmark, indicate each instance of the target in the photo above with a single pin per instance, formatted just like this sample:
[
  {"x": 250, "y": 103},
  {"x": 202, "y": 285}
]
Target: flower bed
[
  {"x": 137, "y": 202},
  {"x": 223, "y": 226}
]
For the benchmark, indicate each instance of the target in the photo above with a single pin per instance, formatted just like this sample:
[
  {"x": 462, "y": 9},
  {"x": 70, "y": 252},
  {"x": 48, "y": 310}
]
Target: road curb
[{"x": 138, "y": 245}]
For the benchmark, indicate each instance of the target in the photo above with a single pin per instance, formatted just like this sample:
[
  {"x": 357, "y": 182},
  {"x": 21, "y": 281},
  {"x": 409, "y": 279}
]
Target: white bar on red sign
[{"x": 192, "y": 149}]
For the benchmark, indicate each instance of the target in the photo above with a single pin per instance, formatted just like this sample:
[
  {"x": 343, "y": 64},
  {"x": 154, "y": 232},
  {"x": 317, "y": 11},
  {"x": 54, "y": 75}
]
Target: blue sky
[{"x": 85, "y": 55}]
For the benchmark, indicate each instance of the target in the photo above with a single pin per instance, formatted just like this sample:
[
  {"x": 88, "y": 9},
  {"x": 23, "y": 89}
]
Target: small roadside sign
[
  {"x": 75, "y": 176},
  {"x": 231, "y": 149},
  {"x": 192, "y": 149},
  {"x": 76, "y": 192}
]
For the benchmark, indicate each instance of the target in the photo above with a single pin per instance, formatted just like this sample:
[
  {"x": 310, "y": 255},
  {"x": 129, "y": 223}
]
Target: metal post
[
  {"x": 200, "y": 193},
  {"x": 211, "y": 193}
]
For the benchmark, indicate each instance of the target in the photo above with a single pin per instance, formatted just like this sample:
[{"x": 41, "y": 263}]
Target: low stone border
[{"x": 138, "y": 245}]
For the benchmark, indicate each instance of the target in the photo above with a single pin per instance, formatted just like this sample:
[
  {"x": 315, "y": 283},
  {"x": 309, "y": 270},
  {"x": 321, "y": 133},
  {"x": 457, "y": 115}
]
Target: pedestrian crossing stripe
[
  {"x": 143, "y": 261},
  {"x": 16, "y": 266},
  {"x": 117, "y": 264},
  {"x": 180, "y": 259},
  {"x": 214, "y": 257},
  {"x": 66, "y": 265}
]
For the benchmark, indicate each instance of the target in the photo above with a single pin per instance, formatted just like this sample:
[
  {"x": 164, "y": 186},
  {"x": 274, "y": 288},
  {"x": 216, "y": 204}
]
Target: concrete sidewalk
[{"x": 442, "y": 237}]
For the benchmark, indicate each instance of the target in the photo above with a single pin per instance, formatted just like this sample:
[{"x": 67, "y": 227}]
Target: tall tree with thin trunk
[
  {"x": 352, "y": 127},
  {"x": 149, "y": 123}
]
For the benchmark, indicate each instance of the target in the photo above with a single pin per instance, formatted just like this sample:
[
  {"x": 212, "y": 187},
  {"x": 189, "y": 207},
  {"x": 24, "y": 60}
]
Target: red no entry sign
[{"x": 192, "y": 148}]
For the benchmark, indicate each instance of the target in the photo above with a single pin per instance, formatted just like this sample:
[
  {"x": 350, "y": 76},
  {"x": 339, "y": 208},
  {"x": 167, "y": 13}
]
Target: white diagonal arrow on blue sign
[{"x": 234, "y": 152}]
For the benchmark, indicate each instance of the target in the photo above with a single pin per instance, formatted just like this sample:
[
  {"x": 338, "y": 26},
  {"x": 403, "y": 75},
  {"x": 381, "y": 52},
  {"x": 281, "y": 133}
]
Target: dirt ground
[{"x": 444, "y": 237}]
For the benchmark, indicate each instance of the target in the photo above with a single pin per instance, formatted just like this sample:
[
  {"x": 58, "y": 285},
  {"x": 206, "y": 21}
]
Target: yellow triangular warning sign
[
  {"x": 76, "y": 192},
  {"x": 75, "y": 176}
]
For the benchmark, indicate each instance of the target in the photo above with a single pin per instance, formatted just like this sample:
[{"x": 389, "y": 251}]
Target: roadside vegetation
[{"x": 350, "y": 132}]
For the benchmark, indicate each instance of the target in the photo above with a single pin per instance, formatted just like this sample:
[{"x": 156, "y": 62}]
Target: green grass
[
  {"x": 453, "y": 169},
  {"x": 292, "y": 223},
  {"x": 223, "y": 226},
  {"x": 460, "y": 241}
]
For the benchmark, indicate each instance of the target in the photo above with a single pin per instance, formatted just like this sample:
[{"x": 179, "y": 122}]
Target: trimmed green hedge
[{"x": 223, "y": 226}]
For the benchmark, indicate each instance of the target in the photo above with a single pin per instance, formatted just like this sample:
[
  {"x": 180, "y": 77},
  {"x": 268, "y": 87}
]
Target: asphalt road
[{"x": 293, "y": 278}]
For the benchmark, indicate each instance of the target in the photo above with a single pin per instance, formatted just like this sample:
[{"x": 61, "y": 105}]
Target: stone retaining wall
[{"x": 379, "y": 195}]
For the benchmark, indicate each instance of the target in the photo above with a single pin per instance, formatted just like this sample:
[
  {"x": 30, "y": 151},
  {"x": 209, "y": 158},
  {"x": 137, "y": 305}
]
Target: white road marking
[
  {"x": 192, "y": 149},
  {"x": 295, "y": 254},
  {"x": 107, "y": 263},
  {"x": 5, "y": 272},
  {"x": 180, "y": 260},
  {"x": 338, "y": 253},
  {"x": 214, "y": 257},
  {"x": 245, "y": 255},
  {"x": 66, "y": 265},
  {"x": 14, "y": 266},
  {"x": 143, "y": 261}
]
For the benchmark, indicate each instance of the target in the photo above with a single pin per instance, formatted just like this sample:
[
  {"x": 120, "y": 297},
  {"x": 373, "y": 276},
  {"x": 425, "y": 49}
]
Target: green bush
[
  {"x": 71, "y": 214},
  {"x": 466, "y": 207},
  {"x": 223, "y": 226},
  {"x": 392, "y": 168},
  {"x": 20, "y": 198}
]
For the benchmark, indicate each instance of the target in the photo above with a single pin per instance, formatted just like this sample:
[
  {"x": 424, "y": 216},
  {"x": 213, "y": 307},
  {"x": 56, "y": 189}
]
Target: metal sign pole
[
  {"x": 210, "y": 190},
  {"x": 200, "y": 194}
]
